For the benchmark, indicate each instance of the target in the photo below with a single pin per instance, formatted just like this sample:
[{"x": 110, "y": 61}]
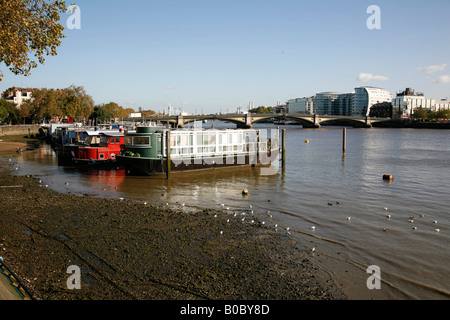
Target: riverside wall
[{"x": 18, "y": 130}]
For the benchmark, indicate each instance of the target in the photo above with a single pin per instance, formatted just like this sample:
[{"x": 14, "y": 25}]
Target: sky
[{"x": 211, "y": 56}]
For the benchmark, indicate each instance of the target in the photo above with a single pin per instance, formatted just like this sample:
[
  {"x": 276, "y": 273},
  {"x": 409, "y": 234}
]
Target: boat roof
[
  {"x": 98, "y": 132},
  {"x": 112, "y": 133}
]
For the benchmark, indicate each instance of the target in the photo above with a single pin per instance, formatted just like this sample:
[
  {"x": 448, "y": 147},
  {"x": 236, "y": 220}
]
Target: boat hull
[{"x": 158, "y": 167}]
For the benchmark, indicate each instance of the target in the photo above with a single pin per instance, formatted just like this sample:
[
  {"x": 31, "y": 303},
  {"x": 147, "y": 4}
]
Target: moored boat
[
  {"x": 158, "y": 151},
  {"x": 78, "y": 138},
  {"x": 106, "y": 151}
]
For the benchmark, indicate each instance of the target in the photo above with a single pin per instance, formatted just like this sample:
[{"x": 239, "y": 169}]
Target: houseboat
[
  {"x": 76, "y": 139},
  {"x": 158, "y": 151},
  {"x": 106, "y": 151}
]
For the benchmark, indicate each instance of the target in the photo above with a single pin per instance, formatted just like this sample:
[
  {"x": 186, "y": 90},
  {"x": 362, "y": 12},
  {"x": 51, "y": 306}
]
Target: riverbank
[{"x": 128, "y": 250}]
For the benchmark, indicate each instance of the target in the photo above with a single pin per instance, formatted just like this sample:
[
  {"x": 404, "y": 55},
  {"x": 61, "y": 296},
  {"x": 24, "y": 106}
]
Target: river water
[{"x": 343, "y": 196}]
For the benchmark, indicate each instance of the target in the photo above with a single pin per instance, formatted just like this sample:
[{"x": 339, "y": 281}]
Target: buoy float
[
  {"x": 306, "y": 141},
  {"x": 388, "y": 177}
]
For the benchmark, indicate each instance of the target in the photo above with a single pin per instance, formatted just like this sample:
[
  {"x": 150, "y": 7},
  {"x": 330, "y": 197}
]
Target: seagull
[
  {"x": 435, "y": 221},
  {"x": 228, "y": 220},
  {"x": 348, "y": 218},
  {"x": 313, "y": 228},
  {"x": 250, "y": 206},
  {"x": 385, "y": 229},
  {"x": 121, "y": 199},
  {"x": 221, "y": 232},
  {"x": 66, "y": 183},
  {"x": 215, "y": 216},
  {"x": 263, "y": 223},
  {"x": 276, "y": 226},
  {"x": 167, "y": 203},
  {"x": 385, "y": 209},
  {"x": 388, "y": 216},
  {"x": 313, "y": 249},
  {"x": 411, "y": 220},
  {"x": 414, "y": 228},
  {"x": 222, "y": 204},
  {"x": 268, "y": 211},
  {"x": 145, "y": 203},
  {"x": 437, "y": 230},
  {"x": 421, "y": 215}
]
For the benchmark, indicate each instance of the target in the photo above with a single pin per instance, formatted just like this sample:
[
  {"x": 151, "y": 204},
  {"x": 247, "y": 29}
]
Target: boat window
[
  {"x": 117, "y": 139},
  {"x": 128, "y": 140},
  {"x": 104, "y": 140},
  {"x": 101, "y": 156},
  {"x": 141, "y": 140}
]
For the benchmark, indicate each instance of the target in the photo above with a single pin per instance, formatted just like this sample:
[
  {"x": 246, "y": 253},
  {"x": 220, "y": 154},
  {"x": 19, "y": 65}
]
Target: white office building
[
  {"x": 357, "y": 103},
  {"x": 407, "y": 101},
  {"x": 365, "y": 97},
  {"x": 301, "y": 105}
]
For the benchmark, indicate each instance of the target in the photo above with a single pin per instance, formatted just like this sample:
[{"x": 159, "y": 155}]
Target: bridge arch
[{"x": 356, "y": 123}]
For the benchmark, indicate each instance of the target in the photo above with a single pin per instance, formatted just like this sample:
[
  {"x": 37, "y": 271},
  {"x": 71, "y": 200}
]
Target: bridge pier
[
  {"x": 368, "y": 122},
  {"x": 180, "y": 121}
]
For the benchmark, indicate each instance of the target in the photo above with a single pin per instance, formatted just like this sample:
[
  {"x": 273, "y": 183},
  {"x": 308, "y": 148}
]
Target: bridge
[{"x": 247, "y": 120}]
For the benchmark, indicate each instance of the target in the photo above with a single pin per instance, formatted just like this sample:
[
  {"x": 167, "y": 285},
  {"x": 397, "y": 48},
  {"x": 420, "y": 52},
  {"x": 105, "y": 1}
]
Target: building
[
  {"x": 17, "y": 95},
  {"x": 280, "y": 108},
  {"x": 343, "y": 105},
  {"x": 408, "y": 100},
  {"x": 366, "y": 97},
  {"x": 301, "y": 105},
  {"x": 325, "y": 102},
  {"x": 357, "y": 103}
]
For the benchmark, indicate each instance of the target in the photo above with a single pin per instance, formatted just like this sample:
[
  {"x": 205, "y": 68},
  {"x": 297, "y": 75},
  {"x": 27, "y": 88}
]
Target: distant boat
[{"x": 146, "y": 151}]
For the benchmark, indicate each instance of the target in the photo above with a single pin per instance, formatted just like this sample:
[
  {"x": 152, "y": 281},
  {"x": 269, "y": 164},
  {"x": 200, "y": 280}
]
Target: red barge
[{"x": 110, "y": 146}]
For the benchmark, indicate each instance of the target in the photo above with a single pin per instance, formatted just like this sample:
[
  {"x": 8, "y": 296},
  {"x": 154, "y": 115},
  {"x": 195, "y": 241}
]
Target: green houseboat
[{"x": 160, "y": 151}]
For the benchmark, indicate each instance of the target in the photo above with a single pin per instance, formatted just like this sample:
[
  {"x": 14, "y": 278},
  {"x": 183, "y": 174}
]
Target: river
[{"x": 402, "y": 227}]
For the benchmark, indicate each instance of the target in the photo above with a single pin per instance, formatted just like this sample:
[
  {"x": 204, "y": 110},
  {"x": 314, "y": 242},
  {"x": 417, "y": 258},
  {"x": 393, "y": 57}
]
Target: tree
[
  {"x": 27, "y": 112},
  {"x": 77, "y": 102},
  {"x": 262, "y": 109},
  {"x": 420, "y": 113},
  {"x": 29, "y": 27},
  {"x": 8, "y": 112},
  {"x": 100, "y": 114}
]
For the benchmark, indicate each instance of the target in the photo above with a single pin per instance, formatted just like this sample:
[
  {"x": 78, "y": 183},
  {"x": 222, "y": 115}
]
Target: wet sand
[{"x": 128, "y": 250}]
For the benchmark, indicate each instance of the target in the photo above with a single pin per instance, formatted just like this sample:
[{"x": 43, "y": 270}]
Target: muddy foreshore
[{"x": 128, "y": 250}]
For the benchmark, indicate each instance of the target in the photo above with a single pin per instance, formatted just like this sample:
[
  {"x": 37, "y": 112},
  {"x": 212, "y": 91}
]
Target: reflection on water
[{"x": 321, "y": 187}]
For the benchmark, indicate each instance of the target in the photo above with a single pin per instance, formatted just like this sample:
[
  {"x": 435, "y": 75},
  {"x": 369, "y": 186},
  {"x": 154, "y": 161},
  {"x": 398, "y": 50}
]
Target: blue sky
[{"x": 214, "y": 55}]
